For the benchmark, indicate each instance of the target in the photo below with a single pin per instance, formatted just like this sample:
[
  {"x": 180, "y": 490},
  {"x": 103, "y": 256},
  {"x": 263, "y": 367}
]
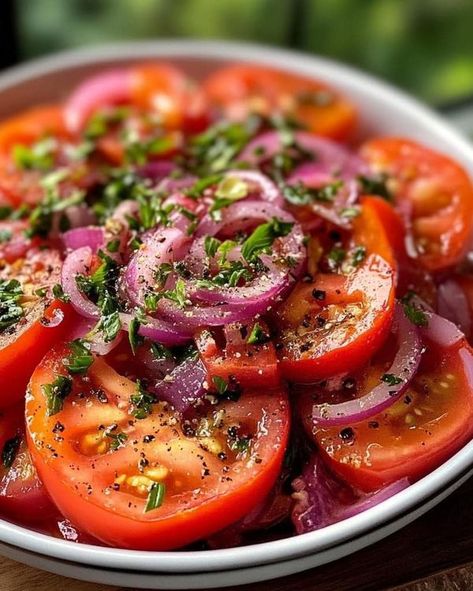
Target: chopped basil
[
  {"x": 391, "y": 379},
  {"x": 376, "y": 184},
  {"x": 110, "y": 325},
  {"x": 113, "y": 245},
  {"x": 160, "y": 351},
  {"x": 162, "y": 273},
  {"x": 299, "y": 194},
  {"x": 133, "y": 332},
  {"x": 220, "y": 384},
  {"x": 11, "y": 310},
  {"x": 41, "y": 292},
  {"x": 155, "y": 496},
  {"x": 55, "y": 394},
  {"x": 177, "y": 295},
  {"x": 39, "y": 156},
  {"x": 200, "y": 185},
  {"x": 263, "y": 237},
  {"x": 80, "y": 358},
  {"x": 257, "y": 335},
  {"x": 358, "y": 255},
  {"x": 211, "y": 245},
  {"x": 10, "y": 451},
  {"x": 118, "y": 439},
  {"x": 142, "y": 402},
  {"x": 59, "y": 294}
]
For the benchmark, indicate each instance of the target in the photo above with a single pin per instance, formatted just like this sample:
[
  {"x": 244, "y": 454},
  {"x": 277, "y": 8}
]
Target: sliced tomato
[
  {"x": 426, "y": 426},
  {"x": 23, "y": 344},
  {"x": 107, "y": 464},
  {"x": 31, "y": 126},
  {"x": 434, "y": 194},
  {"x": 165, "y": 90},
  {"x": 242, "y": 89},
  {"x": 337, "y": 322},
  {"x": 22, "y": 494},
  {"x": 240, "y": 363}
]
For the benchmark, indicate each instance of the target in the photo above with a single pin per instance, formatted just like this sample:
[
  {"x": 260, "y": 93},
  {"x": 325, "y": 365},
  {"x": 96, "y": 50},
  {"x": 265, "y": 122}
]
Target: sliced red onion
[
  {"x": 441, "y": 331},
  {"x": 453, "y": 305},
  {"x": 160, "y": 331},
  {"x": 240, "y": 216},
  {"x": 184, "y": 386},
  {"x": 78, "y": 263},
  {"x": 330, "y": 157},
  {"x": 102, "y": 90},
  {"x": 170, "y": 185},
  {"x": 259, "y": 185},
  {"x": 91, "y": 236},
  {"x": 383, "y": 395},
  {"x": 162, "y": 246},
  {"x": 322, "y": 498},
  {"x": 157, "y": 170}
]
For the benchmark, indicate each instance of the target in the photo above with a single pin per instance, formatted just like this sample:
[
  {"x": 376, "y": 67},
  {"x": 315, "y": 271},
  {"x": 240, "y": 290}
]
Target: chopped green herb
[
  {"x": 156, "y": 496},
  {"x": 200, "y": 185},
  {"x": 160, "y": 351},
  {"x": 138, "y": 151},
  {"x": 80, "y": 358},
  {"x": 299, "y": 194},
  {"x": 110, "y": 325},
  {"x": 56, "y": 393},
  {"x": 263, "y": 237},
  {"x": 257, "y": 335},
  {"x": 211, "y": 245},
  {"x": 177, "y": 295},
  {"x": 10, "y": 451},
  {"x": 220, "y": 384},
  {"x": 142, "y": 402},
  {"x": 336, "y": 256},
  {"x": 113, "y": 245},
  {"x": 133, "y": 332},
  {"x": 391, "y": 379},
  {"x": 11, "y": 310},
  {"x": 39, "y": 156},
  {"x": 376, "y": 184},
  {"x": 118, "y": 439},
  {"x": 41, "y": 292},
  {"x": 358, "y": 255},
  {"x": 59, "y": 294},
  {"x": 413, "y": 311}
]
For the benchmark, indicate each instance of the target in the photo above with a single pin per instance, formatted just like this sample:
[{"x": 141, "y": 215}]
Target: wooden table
[{"x": 424, "y": 556}]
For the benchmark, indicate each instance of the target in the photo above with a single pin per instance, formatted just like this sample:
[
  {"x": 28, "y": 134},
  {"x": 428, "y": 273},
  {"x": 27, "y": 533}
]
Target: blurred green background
[{"x": 424, "y": 46}]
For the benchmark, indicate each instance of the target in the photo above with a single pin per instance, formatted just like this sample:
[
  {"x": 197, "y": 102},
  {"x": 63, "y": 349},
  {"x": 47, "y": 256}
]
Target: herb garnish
[
  {"x": 299, "y": 194},
  {"x": 413, "y": 311},
  {"x": 56, "y": 393},
  {"x": 257, "y": 335},
  {"x": 11, "y": 310},
  {"x": 376, "y": 184},
  {"x": 80, "y": 358},
  {"x": 263, "y": 237},
  {"x": 142, "y": 402},
  {"x": 391, "y": 379},
  {"x": 10, "y": 451},
  {"x": 155, "y": 496}
]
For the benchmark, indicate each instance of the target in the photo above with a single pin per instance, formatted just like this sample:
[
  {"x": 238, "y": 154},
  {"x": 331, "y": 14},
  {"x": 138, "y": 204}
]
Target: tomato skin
[
  {"x": 350, "y": 348},
  {"x": 167, "y": 90},
  {"x": 434, "y": 193},
  {"x": 238, "y": 90},
  {"x": 30, "y": 126},
  {"x": 251, "y": 366},
  {"x": 124, "y": 524},
  {"x": 388, "y": 447},
  {"x": 19, "y": 358},
  {"x": 22, "y": 495}
]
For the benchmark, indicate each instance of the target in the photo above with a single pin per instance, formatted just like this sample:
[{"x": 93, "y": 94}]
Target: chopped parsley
[
  {"x": 156, "y": 496},
  {"x": 376, "y": 184},
  {"x": 142, "y": 402},
  {"x": 336, "y": 256},
  {"x": 55, "y": 394},
  {"x": 134, "y": 337},
  {"x": 257, "y": 335},
  {"x": 358, "y": 255},
  {"x": 263, "y": 237},
  {"x": 10, "y": 451},
  {"x": 59, "y": 294},
  {"x": 80, "y": 358},
  {"x": 138, "y": 151},
  {"x": 118, "y": 439},
  {"x": 39, "y": 156},
  {"x": 299, "y": 194},
  {"x": 201, "y": 184},
  {"x": 413, "y": 311},
  {"x": 211, "y": 245},
  {"x": 11, "y": 310},
  {"x": 391, "y": 379}
]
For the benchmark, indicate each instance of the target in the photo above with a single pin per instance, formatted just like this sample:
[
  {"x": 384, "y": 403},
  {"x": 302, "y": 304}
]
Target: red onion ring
[
  {"x": 78, "y": 263},
  {"x": 159, "y": 331},
  {"x": 91, "y": 236},
  {"x": 184, "y": 386},
  {"x": 157, "y": 170},
  {"x": 441, "y": 331},
  {"x": 404, "y": 366},
  {"x": 453, "y": 305},
  {"x": 162, "y": 246},
  {"x": 322, "y": 498},
  {"x": 259, "y": 186},
  {"x": 102, "y": 90}
]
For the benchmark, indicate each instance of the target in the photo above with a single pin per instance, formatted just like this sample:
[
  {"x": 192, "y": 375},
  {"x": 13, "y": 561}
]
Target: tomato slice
[
  {"x": 242, "y": 89},
  {"x": 23, "y": 344},
  {"x": 434, "y": 194},
  {"x": 428, "y": 425},
  {"x": 240, "y": 363},
  {"x": 22, "y": 494},
  {"x": 31, "y": 126},
  {"x": 103, "y": 469},
  {"x": 337, "y": 322},
  {"x": 167, "y": 91}
]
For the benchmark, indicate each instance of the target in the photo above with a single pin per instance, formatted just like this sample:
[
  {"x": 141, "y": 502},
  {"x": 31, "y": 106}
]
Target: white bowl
[{"x": 383, "y": 110}]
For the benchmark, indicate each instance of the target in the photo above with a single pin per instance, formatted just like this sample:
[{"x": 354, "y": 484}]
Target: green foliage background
[{"x": 425, "y": 46}]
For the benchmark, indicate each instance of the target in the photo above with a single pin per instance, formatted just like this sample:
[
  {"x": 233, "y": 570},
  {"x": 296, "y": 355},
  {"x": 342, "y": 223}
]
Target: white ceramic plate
[{"x": 383, "y": 110}]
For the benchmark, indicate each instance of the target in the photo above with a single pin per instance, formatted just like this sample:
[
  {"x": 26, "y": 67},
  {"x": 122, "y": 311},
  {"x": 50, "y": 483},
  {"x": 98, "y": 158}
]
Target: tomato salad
[{"x": 221, "y": 319}]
